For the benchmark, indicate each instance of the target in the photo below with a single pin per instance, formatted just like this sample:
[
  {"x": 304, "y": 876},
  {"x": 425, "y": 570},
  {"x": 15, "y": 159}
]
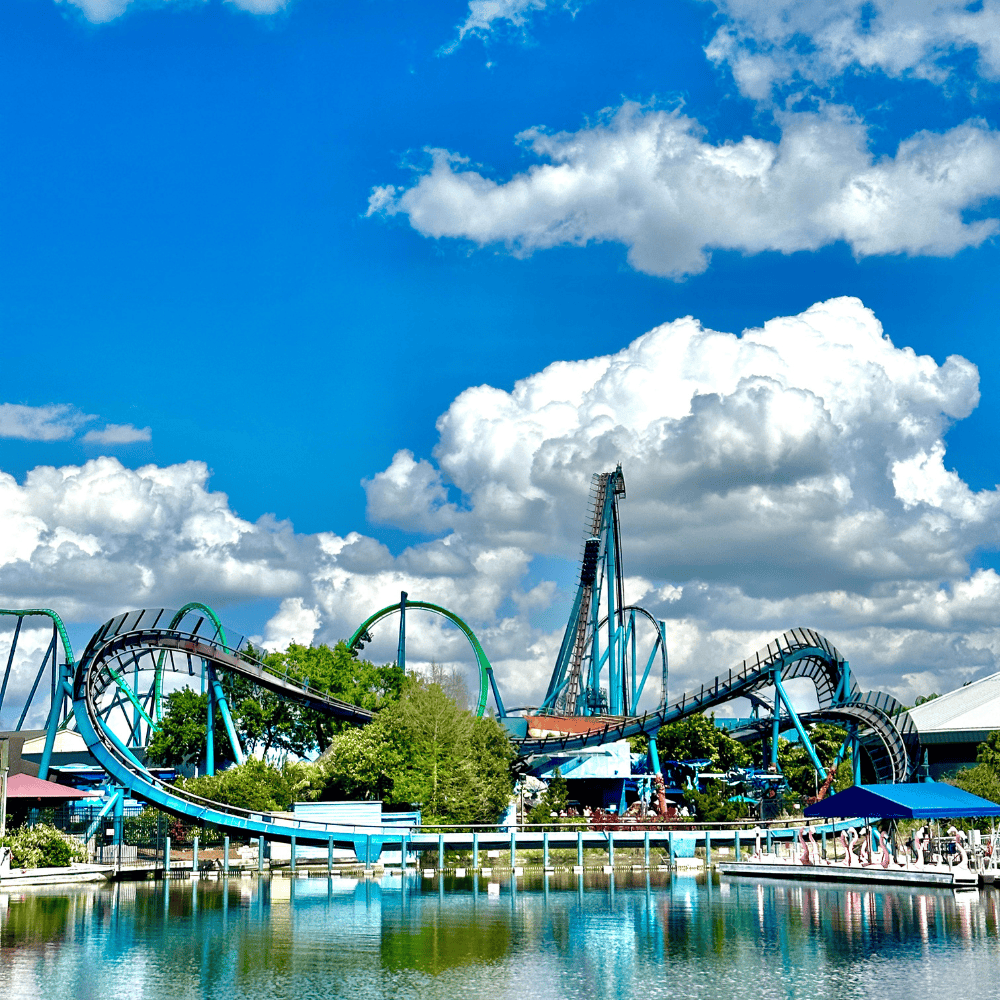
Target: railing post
[{"x": 768, "y": 840}]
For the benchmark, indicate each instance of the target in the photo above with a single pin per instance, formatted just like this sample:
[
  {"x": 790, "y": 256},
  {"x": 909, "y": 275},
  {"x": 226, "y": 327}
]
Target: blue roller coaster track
[{"x": 592, "y": 697}]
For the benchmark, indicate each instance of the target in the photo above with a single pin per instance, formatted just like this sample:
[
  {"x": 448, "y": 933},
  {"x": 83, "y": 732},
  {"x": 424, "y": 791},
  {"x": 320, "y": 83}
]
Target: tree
[
  {"x": 254, "y": 785},
  {"x": 422, "y": 750},
  {"x": 180, "y": 737},
  {"x": 981, "y": 780},
  {"x": 713, "y": 805},
  {"x": 988, "y": 753},
  {"x": 698, "y": 738},
  {"x": 267, "y": 722},
  {"x": 554, "y": 799},
  {"x": 800, "y": 770}
]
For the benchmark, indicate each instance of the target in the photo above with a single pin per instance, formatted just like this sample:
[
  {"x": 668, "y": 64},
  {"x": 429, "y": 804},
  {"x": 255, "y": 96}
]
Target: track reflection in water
[{"x": 562, "y": 936}]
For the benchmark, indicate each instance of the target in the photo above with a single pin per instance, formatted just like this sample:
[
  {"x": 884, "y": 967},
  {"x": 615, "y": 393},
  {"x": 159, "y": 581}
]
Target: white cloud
[
  {"x": 793, "y": 475},
  {"x": 294, "y": 622},
  {"x": 648, "y": 179},
  {"x": 56, "y": 422},
  {"x": 779, "y": 43},
  {"x": 114, "y": 434},
  {"x": 486, "y": 17},
  {"x": 102, "y": 11}
]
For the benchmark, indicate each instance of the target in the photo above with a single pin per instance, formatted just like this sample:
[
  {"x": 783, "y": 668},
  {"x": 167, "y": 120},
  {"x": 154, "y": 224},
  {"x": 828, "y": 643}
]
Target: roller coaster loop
[{"x": 361, "y": 636}]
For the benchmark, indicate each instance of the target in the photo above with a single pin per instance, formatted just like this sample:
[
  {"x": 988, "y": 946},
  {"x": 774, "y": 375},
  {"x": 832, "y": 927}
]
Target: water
[{"x": 629, "y": 935}]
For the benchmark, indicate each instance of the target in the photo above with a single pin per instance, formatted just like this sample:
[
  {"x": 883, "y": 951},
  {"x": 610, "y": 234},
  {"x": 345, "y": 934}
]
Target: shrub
[{"x": 42, "y": 846}]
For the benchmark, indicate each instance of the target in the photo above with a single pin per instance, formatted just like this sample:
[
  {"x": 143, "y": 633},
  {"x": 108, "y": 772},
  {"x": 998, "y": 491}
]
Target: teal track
[
  {"x": 138, "y": 640},
  {"x": 134, "y": 639}
]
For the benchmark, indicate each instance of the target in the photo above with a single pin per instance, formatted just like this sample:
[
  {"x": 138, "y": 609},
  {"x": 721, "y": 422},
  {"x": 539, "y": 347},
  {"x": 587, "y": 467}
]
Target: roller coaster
[{"x": 112, "y": 696}]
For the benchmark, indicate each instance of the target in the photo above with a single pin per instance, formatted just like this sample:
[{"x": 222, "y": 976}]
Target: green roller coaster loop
[
  {"x": 122, "y": 684},
  {"x": 174, "y": 622},
  {"x": 485, "y": 668}
]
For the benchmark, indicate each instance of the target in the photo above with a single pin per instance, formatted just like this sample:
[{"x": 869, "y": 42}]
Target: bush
[
  {"x": 42, "y": 846},
  {"x": 255, "y": 785}
]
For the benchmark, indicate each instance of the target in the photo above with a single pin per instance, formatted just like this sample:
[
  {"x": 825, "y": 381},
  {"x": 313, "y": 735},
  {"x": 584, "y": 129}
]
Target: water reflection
[{"x": 556, "y": 935}]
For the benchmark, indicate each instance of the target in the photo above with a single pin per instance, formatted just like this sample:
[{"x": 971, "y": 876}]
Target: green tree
[
  {"x": 988, "y": 753},
  {"x": 423, "y": 750},
  {"x": 798, "y": 767},
  {"x": 982, "y": 780},
  {"x": 180, "y": 738},
  {"x": 254, "y": 785},
  {"x": 554, "y": 799},
  {"x": 698, "y": 738},
  {"x": 713, "y": 805},
  {"x": 268, "y": 722}
]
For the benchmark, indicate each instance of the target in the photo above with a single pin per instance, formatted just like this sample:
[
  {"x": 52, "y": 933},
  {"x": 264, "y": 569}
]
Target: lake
[{"x": 632, "y": 934}]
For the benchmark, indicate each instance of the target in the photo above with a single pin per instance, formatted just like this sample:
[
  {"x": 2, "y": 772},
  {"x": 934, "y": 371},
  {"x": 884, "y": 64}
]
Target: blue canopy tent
[{"x": 929, "y": 800}]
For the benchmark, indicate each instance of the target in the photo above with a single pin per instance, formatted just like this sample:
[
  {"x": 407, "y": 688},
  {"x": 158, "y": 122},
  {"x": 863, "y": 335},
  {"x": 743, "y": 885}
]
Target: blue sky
[{"x": 231, "y": 258}]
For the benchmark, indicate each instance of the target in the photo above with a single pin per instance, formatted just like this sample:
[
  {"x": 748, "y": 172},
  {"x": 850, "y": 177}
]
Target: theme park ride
[{"x": 112, "y": 696}]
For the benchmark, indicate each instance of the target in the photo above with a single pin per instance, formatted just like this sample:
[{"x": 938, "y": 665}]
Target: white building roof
[{"x": 975, "y": 707}]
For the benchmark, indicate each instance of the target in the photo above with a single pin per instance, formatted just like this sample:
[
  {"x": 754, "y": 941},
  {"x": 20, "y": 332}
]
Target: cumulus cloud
[
  {"x": 792, "y": 475},
  {"x": 795, "y": 474},
  {"x": 102, "y": 11},
  {"x": 772, "y": 44},
  {"x": 56, "y": 422},
  {"x": 114, "y": 434},
  {"x": 650, "y": 180}
]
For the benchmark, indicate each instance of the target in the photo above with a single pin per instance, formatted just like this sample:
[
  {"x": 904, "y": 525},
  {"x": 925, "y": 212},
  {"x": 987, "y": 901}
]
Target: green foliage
[
  {"x": 989, "y": 752},
  {"x": 267, "y": 722},
  {"x": 713, "y": 805},
  {"x": 554, "y": 799},
  {"x": 264, "y": 721},
  {"x": 982, "y": 780},
  {"x": 254, "y": 785},
  {"x": 422, "y": 750},
  {"x": 180, "y": 738},
  {"x": 798, "y": 767},
  {"x": 697, "y": 738},
  {"x": 42, "y": 846},
  {"x": 359, "y": 764}
]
